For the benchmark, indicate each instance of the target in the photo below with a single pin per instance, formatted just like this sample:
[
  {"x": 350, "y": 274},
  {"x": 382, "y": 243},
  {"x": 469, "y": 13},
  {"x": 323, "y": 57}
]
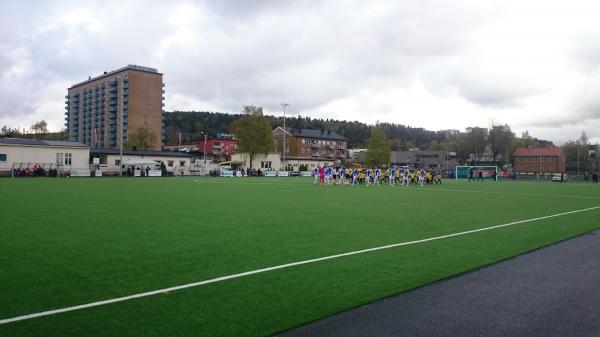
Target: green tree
[
  {"x": 254, "y": 133},
  {"x": 577, "y": 154},
  {"x": 434, "y": 145},
  {"x": 474, "y": 141},
  {"x": 378, "y": 148},
  {"x": 570, "y": 149},
  {"x": 192, "y": 123},
  {"x": 500, "y": 138},
  {"x": 584, "y": 152},
  {"x": 450, "y": 141},
  {"x": 526, "y": 139},
  {"x": 407, "y": 145}
]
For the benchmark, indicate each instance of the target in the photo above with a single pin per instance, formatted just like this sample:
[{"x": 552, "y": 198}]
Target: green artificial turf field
[{"x": 65, "y": 242}]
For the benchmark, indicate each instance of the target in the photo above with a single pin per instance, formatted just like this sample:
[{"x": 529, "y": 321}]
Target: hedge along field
[{"x": 66, "y": 242}]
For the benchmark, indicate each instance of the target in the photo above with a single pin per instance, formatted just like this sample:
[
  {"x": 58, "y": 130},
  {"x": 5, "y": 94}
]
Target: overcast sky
[{"x": 432, "y": 64}]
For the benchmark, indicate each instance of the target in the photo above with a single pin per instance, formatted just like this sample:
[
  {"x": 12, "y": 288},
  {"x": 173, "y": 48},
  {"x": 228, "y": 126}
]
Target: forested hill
[{"x": 192, "y": 123}]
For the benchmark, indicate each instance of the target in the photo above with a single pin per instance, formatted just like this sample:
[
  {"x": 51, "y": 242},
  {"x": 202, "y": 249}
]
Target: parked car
[{"x": 556, "y": 177}]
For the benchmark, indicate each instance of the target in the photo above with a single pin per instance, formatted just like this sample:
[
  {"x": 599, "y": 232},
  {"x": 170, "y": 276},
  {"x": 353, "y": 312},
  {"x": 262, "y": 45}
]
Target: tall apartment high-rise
[{"x": 94, "y": 109}]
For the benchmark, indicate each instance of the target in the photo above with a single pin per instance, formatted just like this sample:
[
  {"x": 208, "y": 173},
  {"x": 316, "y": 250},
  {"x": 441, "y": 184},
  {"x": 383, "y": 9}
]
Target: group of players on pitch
[{"x": 328, "y": 175}]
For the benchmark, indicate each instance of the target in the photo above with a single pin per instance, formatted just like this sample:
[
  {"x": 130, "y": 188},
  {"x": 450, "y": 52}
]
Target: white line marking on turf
[
  {"x": 511, "y": 193},
  {"x": 282, "y": 266}
]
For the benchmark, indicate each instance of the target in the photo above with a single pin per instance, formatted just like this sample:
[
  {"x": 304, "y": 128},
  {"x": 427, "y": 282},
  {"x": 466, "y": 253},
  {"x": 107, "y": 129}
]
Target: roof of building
[
  {"x": 309, "y": 158},
  {"x": 218, "y": 139},
  {"x": 320, "y": 134},
  {"x": 110, "y": 73},
  {"x": 40, "y": 142},
  {"x": 141, "y": 153},
  {"x": 538, "y": 151}
]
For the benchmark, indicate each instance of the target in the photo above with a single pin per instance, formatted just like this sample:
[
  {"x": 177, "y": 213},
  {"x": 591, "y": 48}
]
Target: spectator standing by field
[{"x": 321, "y": 175}]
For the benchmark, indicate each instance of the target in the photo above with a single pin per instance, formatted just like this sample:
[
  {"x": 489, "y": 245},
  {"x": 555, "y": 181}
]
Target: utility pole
[
  {"x": 120, "y": 102},
  {"x": 284, "y": 131},
  {"x": 578, "y": 159},
  {"x": 204, "y": 151}
]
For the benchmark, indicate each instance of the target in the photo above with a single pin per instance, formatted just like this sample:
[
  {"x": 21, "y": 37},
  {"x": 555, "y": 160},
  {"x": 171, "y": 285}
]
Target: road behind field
[{"x": 553, "y": 291}]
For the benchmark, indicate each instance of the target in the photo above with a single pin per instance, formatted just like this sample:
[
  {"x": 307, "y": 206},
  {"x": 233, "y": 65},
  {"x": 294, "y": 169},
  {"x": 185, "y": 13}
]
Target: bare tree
[{"x": 39, "y": 128}]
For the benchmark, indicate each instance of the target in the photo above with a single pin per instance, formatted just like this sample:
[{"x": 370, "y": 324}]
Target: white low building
[
  {"x": 63, "y": 156},
  {"x": 273, "y": 161},
  {"x": 110, "y": 160}
]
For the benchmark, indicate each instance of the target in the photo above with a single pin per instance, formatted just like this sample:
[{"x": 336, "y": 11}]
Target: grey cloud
[
  {"x": 45, "y": 46},
  {"x": 488, "y": 92},
  {"x": 587, "y": 101},
  {"x": 480, "y": 83},
  {"x": 242, "y": 52},
  {"x": 580, "y": 113},
  {"x": 563, "y": 132},
  {"x": 585, "y": 51},
  {"x": 306, "y": 53},
  {"x": 582, "y": 106},
  {"x": 315, "y": 54}
]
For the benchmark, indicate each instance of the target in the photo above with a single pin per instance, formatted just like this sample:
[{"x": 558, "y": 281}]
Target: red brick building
[
  {"x": 312, "y": 144},
  {"x": 539, "y": 160},
  {"x": 218, "y": 149}
]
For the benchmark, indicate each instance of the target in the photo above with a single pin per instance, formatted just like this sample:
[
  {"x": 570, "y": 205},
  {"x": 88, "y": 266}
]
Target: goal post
[{"x": 462, "y": 172}]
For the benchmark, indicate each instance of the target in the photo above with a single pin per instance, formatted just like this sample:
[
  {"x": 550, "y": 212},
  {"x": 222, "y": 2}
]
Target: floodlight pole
[
  {"x": 204, "y": 151},
  {"x": 284, "y": 106},
  {"x": 120, "y": 80},
  {"x": 578, "y": 159}
]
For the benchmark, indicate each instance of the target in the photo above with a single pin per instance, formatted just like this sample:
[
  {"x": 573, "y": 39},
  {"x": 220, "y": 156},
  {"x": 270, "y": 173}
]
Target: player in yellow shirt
[
  {"x": 437, "y": 179},
  {"x": 428, "y": 177}
]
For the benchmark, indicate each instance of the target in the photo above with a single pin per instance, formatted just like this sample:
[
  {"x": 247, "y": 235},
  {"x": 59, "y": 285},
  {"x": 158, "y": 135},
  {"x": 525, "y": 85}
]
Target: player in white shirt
[
  {"x": 316, "y": 174},
  {"x": 392, "y": 176},
  {"x": 342, "y": 175},
  {"x": 329, "y": 175},
  {"x": 405, "y": 177},
  {"x": 422, "y": 177},
  {"x": 377, "y": 176}
]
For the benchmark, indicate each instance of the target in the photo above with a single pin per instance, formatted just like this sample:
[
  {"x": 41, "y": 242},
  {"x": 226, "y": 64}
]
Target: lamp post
[
  {"x": 284, "y": 105},
  {"x": 120, "y": 83},
  {"x": 204, "y": 151},
  {"x": 578, "y": 159}
]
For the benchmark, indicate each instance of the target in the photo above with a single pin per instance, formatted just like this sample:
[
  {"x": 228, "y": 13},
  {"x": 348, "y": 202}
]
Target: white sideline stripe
[
  {"x": 282, "y": 266},
  {"x": 513, "y": 193}
]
